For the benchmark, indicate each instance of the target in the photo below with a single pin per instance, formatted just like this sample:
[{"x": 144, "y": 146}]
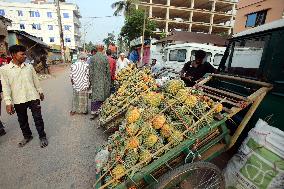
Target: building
[
  {"x": 205, "y": 16},
  {"x": 257, "y": 12},
  {"x": 4, "y": 23},
  {"x": 39, "y": 18}
]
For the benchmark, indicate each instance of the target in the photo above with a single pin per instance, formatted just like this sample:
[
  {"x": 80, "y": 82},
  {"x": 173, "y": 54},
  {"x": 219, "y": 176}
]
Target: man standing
[
  {"x": 112, "y": 66},
  {"x": 2, "y": 130},
  {"x": 195, "y": 70},
  {"x": 80, "y": 81},
  {"x": 100, "y": 80},
  {"x": 21, "y": 90},
  {"x": 122, "y": 62}
]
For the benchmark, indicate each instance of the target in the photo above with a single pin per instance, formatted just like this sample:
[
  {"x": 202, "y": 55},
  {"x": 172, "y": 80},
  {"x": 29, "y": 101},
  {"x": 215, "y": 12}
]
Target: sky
[{"x": 98, "y": 28}]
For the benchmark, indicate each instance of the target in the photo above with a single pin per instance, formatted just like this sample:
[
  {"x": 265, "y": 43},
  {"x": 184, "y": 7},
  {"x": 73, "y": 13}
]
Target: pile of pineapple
[
  {"x": 159, "y": 122},
  {"x": 132, "y": 83}
]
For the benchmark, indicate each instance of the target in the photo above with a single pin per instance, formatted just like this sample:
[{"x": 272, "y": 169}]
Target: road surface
[{"x": 68, "y": 161}]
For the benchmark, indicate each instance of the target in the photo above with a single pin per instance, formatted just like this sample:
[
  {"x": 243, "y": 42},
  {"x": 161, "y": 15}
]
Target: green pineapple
[{"x": 131, "y": 158}]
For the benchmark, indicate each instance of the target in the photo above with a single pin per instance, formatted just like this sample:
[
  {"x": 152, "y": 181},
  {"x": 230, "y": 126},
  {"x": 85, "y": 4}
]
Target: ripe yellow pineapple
[
  {"x": 158, "y": 121},
  {"x": 219, "y": 108},
  {"x": 151, "y": 140},
  {"x": 132, "y": 143},
  {"x": 173, "y": 86},
  {"x": 118, "y": 171},
  {"x": 166, "y": 130},
  {"x": 191, "y": 101},
  {"x": 153, "y": 99},
  {"x": 182, "y": 95},
  {"x": 133, "y": 115}
]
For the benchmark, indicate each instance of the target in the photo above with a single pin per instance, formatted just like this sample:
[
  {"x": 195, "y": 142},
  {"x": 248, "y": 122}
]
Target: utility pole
[
  {"x": 60, "y": 30},
  {"x": 143, "y": 40}
]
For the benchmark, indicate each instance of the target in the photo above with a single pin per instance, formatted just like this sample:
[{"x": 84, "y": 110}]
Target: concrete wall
[{"x": 275, "y": 11}]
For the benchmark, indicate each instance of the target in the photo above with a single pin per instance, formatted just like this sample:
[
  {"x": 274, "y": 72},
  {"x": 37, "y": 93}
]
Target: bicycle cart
[{"x": 186, "y": 165}]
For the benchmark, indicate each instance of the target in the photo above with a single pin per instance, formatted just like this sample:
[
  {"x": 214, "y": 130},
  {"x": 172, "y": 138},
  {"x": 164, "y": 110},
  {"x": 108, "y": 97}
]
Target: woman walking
[{"x": 80, "y": 81}]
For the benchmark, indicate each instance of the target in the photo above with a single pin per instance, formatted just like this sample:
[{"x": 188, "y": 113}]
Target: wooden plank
[
  {"x": 219, "y": 98},
  {"x": 224, "y": 92},
  {"x": 263, "y": 84}
]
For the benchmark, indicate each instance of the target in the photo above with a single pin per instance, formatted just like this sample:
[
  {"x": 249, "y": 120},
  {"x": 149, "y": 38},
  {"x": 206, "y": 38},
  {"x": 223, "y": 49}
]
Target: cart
[{"x": 186, "y": 165}]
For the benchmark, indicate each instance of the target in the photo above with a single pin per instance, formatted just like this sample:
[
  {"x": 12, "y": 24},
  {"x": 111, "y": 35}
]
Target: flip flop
[
  {"x": 25, "y": 141},
  {"x": 43, "y": 142}
]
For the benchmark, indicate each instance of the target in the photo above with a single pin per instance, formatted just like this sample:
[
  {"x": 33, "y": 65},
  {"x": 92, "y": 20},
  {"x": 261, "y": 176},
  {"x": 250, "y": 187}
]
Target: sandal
[
  {"x": 43, "y": 142},
  {"x": 25, "y": 141}
]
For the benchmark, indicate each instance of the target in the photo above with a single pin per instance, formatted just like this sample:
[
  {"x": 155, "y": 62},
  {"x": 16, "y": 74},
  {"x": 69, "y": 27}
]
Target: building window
[
  {"x": 67, "y": 27},
  {"x": 36, "y": 26},
  {"x": 50, "y": 27},
  {"x": 34, "y": 14},
  {"x": 2, "y": 12},
  {"x": 67, "y": 40},
  {"x": 22, "y": 26},
  {"x": 51, "y": 39},
  {"x": 256, "y": 19},
  {"x": 49, "y": 14},
  {"x": 65, "y": 15},
  {"x": 20, "y": 13}
]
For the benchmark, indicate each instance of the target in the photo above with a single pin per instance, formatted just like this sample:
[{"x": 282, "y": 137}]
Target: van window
[
  {"x": 207, "y": 58},
  {"x": 217, "y": 59},
  {"x": 178, "y": 55}
]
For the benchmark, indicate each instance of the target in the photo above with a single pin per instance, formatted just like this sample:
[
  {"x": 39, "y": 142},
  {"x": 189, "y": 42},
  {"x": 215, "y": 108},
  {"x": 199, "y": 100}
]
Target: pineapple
[
  {"x": 146, "y": 129},
  {"x": 176, "y": 138},
  {"x": 173, "y": 86},
  {"x": 153, "y": 99},
  {"x": 145, "y": 155},
  {"x": 219, "y": 108},
  {"x": 182, "y": 95},
  {"x": 132, "y": 129},
  {"x": 118, "y": 171},
  {"x": 150, "y": 140},
  {"x": 191, "y": 101},
  {"x": 158, "y": 121},
  {"x": 131, "y": 158},
  {"x": 133, "y": 115},
  {"x": 133, "y": 143},
  {"x": 166, "y": 131}
]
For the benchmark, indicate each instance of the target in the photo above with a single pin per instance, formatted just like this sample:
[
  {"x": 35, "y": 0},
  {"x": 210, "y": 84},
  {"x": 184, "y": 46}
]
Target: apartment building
[
  {"x": 204, "y": 16},
  {"x": 39, "y": 18},
  {"x": 257, "y": 12}
]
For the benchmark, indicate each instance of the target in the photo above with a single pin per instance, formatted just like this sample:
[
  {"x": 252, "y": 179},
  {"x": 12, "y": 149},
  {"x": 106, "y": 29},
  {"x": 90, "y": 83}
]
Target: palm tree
[{"x": 123, "y": 6}]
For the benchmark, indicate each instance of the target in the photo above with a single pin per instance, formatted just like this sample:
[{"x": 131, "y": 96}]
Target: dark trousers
[{"x": 21, "y": 110}]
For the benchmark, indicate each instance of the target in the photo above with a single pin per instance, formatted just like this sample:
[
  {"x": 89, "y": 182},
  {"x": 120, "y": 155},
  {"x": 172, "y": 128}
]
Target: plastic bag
[
  {"x": 259, "y": 162},
  {"x": 101, "y": 159}
]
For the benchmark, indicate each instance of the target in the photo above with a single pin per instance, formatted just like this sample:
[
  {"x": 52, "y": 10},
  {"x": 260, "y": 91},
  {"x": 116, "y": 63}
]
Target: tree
[
  {"x": 133, "y": 26},
  {"x": 89, "y": 46},
  {"x": 125, "y": 7},
  {"x": 110, "y": 39}
]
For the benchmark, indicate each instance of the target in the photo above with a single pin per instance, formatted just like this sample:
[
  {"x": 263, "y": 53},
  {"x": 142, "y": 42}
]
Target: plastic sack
[
  {"x": 101, "y": 159},
  {"x": 259, "y": 163}
]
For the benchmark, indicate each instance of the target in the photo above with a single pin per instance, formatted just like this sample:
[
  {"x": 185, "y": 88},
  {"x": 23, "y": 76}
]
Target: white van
[{"x": 175, "y": 56}]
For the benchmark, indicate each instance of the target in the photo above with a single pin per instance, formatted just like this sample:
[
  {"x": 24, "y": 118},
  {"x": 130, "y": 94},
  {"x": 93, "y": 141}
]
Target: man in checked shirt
[{"x": 21, "y": 90}]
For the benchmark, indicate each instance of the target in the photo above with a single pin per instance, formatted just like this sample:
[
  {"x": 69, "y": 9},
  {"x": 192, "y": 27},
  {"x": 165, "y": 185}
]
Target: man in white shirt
[
  {"x": 121, "y": 63},
  {"x": 21, "y": 90}
]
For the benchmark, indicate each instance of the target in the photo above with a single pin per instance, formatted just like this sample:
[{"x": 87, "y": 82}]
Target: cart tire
[{"x": 193, "y": 175}]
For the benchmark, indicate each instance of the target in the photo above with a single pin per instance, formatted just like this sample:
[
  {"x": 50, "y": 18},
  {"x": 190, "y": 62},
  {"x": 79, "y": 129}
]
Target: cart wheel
[{"x": 199, "y": 175}]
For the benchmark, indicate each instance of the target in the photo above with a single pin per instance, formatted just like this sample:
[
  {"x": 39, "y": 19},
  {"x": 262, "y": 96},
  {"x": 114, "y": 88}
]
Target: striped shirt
[{"x": 80, "y": 76}]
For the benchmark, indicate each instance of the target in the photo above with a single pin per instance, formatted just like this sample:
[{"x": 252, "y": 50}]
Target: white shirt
[{"x": 120, "y": 64}]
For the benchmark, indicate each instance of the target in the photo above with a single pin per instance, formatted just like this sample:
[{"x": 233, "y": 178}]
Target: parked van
[{"x": 175, "y": 56}]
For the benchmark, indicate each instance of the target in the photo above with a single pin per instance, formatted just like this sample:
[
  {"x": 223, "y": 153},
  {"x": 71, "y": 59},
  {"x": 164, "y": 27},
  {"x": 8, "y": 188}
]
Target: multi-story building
[
  {"x": 206, "y": 16},
  {"x": 39, "y": 18},
  {"x": 257, "y": 12}
]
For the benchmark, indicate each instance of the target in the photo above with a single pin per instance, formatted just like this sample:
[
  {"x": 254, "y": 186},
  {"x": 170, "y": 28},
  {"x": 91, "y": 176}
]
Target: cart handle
[{"x": 263, "y": 84}]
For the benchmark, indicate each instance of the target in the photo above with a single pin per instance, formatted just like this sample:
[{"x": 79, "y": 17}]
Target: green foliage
[
  {"x": 133, "y": 26},
  {"x": 109, "y": 39},
  {"x": 89, "y": 46},
  {"x": 124, "y": 7}
]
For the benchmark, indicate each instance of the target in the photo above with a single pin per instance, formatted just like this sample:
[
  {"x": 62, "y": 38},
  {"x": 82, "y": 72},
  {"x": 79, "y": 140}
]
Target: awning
[{"x": 35, "y": 39}]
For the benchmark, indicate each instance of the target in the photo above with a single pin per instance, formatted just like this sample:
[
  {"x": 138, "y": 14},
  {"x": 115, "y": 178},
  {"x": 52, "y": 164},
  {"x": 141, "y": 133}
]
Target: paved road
[{"x": 68, "y": 161}]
